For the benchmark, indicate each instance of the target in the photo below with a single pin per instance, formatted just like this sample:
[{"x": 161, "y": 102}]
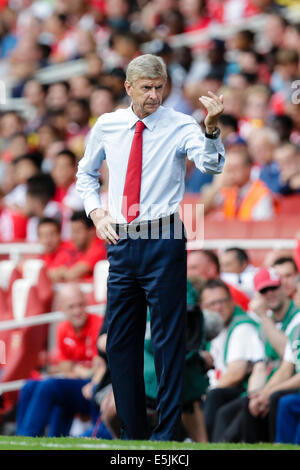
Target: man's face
[
  {"x": 287, "y": 274},
  {"x": 237, "y": 171},
  {"x": 274, "y": 297},
  {"x": 218, "y": 300},
  {"x": 288, "y": 161},
  {"x": 146, "y": 95},
  {"x": 80, "y": 234},
  {"x": 49, "y": 237},
  {"x": 199, "y": 265},
  {"x": 63, "y": 171},
  {"x": 73, "y": 307},
  {"x": 229, "y": 263}
]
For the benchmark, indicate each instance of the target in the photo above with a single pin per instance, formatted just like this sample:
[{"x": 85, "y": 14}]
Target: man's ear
[{"x": 128, "y": 87}]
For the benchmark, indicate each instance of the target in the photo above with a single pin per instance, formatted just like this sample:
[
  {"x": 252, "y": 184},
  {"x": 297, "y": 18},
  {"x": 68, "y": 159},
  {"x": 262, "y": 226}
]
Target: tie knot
[{"x": 140, "y": 126}]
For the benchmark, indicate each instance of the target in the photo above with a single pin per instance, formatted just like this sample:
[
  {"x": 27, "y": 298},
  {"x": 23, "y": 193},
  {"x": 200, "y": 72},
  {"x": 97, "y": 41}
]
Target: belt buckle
[{"x": 126, "y": 228}]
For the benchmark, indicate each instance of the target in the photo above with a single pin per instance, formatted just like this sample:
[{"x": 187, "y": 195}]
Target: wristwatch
[{"x": 214, "y": 135}]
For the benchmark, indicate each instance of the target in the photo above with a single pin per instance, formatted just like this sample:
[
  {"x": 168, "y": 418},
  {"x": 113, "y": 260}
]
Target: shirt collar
[{"x": 149, "y": 121}]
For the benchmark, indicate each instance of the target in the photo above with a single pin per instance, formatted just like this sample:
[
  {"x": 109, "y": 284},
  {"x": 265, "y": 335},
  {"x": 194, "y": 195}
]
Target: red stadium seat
[
  {"x": 100, "y": 281},
  {"x": 24, "y": 345},
  {"x": 289, "y": 205},
  {"x": 35, "y": 271}
]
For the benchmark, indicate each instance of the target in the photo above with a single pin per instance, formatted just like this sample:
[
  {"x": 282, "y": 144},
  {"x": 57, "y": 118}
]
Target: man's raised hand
[{"x": 214, "y": 106}]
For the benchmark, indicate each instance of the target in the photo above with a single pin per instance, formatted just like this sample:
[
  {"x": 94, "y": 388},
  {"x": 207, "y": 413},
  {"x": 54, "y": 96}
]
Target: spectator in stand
[
  {"x": 50, "y": 239},
  {"x": 114, "y": 80},
  {"x": 10, "y": 124},
  {"x": 77, "y": 260},
  {"x": 101, "y": 101},
  {"x": 243, "y": 420},
  {"x": 287, "y": 270},
  {"x": 46, "y": 135},
  {"x": 287, "y": 157},
  {"x": 235, "y": 194},
  {"x": 78, "y": 115},
  {"x": 63, "y": 173},
  {"x": 39, "y": 203},
  {"x": 288, "y": 411},
  {"x": 17, "y": 146},
  {"x": 13, "y": 224},
  {"x": 25, "y": 167},
  {"x": 237, "y": 269},
  {"x": 56, "y": 400},
  {"x": 283, "y": 126},
  {"x": 256, "y": 109},
  {"x": 35, "y": 95},
  {"x": 262, "y": 143},
  {"x": 229, "y": 130},
  {"x": 81, "y": 87},
  {"x": 58, "y": 96},
  {"x": 205, "y": 265},
  {"x": 234, "y": 350},
  {"x": 286, "y": 71},
  {"x": 194, "y": 15}
]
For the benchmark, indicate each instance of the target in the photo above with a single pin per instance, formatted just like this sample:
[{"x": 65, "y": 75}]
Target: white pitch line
[{"x": 83, "y": 446}]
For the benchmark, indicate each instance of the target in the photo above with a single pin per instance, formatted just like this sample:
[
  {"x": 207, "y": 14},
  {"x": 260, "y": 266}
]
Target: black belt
[{"x": 143, "y": 225}]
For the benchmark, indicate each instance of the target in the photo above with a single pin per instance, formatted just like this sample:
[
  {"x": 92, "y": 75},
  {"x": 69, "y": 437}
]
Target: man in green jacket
[{"x": 234, "y": 350}]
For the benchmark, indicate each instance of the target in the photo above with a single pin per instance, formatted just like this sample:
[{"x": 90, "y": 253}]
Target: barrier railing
[
  {"x": 247, "y": 244},
  {"x": 15, "y": 250},
  {"x": 45, "y": 318}
]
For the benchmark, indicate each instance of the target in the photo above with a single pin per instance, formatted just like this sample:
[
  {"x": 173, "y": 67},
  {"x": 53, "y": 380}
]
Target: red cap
[{"x": 266, "y": 278}]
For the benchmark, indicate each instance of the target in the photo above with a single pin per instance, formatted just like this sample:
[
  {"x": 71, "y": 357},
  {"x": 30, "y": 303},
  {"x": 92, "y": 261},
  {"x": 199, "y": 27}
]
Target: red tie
[{"x": 132, "y": 187}]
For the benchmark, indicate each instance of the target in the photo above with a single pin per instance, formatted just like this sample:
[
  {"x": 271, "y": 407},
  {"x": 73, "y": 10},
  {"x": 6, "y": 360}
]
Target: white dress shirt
[{"x": 169, "y": 137}]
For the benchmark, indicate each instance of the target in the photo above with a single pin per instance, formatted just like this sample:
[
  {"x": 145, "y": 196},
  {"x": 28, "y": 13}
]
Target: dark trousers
[
  {"x": 261, "y": 429},
  {"x": 147, "y": 272},
  {"x": 215, "y": 399},
  {"x": 288, "y": 419},
  {"x": 228, "y": 421},
  {"x": 54, "y": 402}
]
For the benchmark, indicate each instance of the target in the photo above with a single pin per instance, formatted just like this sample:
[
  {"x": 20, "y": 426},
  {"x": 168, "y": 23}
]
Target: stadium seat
[
  {"x": 24, "y": 345},
  {"x": 35, "y": 270},
  {"x": 32, "y": 268},
  {"x": 289, "y": 205},
  {"x": 100, "y": 281},
  {"x": 7, "y": 272},
  {"x": 4, "y": 312}
]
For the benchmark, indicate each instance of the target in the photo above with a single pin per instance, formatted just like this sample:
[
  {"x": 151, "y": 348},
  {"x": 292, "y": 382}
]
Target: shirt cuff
[
  {"x": 91, "y": 203},
  {"x": 215, "y": 144}
]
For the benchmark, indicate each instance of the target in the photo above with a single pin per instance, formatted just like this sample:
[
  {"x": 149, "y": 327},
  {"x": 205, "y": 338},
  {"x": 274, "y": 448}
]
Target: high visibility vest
[{"x": 257, "y": 191}]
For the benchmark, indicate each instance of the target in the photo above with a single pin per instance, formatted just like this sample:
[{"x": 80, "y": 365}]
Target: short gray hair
[{"x": 146, "y": 66}]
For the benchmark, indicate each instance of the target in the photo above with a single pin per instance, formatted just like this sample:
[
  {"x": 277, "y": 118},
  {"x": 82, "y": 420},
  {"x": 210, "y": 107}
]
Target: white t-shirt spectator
[{"x": 244, "y": 344}]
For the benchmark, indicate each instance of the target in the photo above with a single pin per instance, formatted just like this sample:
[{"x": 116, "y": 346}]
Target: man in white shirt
[
  {"x": 235, "y": 348},
  {"x": 237, "y": 269},
  {"x": 145, "y": 147}
]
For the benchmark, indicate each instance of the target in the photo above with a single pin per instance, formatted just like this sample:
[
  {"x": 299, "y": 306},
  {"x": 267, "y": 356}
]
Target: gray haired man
[{"x": 145, "y": 147}]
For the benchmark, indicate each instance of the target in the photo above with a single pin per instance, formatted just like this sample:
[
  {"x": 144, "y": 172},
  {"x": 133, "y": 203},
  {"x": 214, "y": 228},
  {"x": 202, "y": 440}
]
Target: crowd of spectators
[{"x": 258, "y": 74}]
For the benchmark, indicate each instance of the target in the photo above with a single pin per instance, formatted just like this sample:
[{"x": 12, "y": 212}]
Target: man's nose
[{"x": 153, "y": 94}]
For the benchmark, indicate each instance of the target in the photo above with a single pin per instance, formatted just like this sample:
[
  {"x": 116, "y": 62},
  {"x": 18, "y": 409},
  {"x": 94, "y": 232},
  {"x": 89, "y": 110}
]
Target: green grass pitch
[{"x": 69, "y": 443}]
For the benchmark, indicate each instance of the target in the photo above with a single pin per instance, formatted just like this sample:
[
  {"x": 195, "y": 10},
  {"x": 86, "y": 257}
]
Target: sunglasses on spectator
[{"x": 267, "y": 289}]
